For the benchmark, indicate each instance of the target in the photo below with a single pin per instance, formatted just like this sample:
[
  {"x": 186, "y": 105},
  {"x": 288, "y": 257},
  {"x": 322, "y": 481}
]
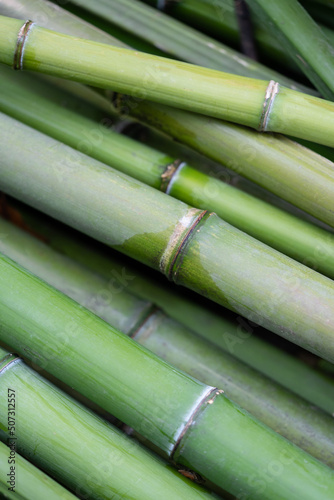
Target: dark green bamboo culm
[
  {"x": 281, "y": 410},
  {"x": 263, "y": 159},
  {"x": 28, "y": 483},
  {"x": 259, "y": 104},
  {"x": 194, "y": 424},
  {"x": 229, "y": 332},
  {"x": 22, "y": 99},
  {"x": 89, "y": 456},
  {"x": 304, "y": 40},
  {"x": 190, "y": 246}
]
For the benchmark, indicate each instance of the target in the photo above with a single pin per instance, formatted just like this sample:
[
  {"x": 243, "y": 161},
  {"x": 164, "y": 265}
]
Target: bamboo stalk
[
  {"x": 289, "y": 189},
  {"x": 94, "y": 459},
  {"x": 273, "y": 291},
  {"x": 281, "y": 410},
  {"x": 179, "y": 40},
  {"x": 276, "y": 163},
  {"x": 288, "y": 234},
  {"x": 255, "y": 103},
  {"x": 157, "y": 400},
  {"x": 303, "y": 39},
  {"x": 231, "y": 334},
  {"x": 30, "y": 482}
]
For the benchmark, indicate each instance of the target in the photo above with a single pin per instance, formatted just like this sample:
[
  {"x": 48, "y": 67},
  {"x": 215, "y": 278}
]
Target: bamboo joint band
[
  {"x": 181, "y": 235},
  {"x": 8, "y": 360},
  {"x": 270, "y": 95},
  {"x": 169, "y": 174},
  {"x": 208, "y": 398},
  {"x": 20, "y": 44}
]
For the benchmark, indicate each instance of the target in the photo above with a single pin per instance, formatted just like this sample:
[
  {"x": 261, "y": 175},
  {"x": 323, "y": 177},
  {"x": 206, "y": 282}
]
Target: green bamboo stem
[
  {"x": 276, "y": 163},
  {"x": 303, "y": 39},
  {"x": 232, "y": 334},
  {"x": 158, "y": 140},
  {"x": 179, "y": 40},
  {"x": 274, "y": 290},
  {"x": 81, "y": 450},
  {"x": 288, "y": 234},
  {"x": 154, "y": 398},
  {"x": 234, "y": 98},
  {"x": 30, "y": 482},
  {"x": 287, "y": 414}
]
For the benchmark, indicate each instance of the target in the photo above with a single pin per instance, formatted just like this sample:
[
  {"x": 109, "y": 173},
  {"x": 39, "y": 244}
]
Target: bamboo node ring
[
  {"x": 8, "y": 360},
  {"x": 168, "y": 175},
  {"x": 270, "y": 95},
  {"x": 20, "y": 44}
]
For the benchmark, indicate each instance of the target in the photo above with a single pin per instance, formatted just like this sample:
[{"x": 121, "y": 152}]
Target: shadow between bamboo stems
[
  {"x": 232, "y": 334},
  {"x": 284, "y": 412},
  {"x": 91, "y": 457},
  {"x": 190, "y": 246},
  {"x": 255, "y": 103}
]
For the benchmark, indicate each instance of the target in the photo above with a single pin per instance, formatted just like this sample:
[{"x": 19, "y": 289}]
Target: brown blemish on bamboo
[{"x": 207, "y": 399}]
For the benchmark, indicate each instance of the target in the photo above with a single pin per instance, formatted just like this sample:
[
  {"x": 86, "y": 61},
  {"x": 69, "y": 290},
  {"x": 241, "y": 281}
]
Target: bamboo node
[
  {"x": 270, "y": 95},
  {"x": 20, "y": 44},
  {"x": 180, "y": 236},
  {"x": 8, "y": 360},
  {"x": 211, "y": 394},
  {"x": 168, "y": 176}
]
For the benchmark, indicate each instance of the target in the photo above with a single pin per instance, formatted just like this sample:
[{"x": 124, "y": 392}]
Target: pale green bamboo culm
[
  {"x": 21, "y": 96},
  {"x": 220, "y": 327},
  {"x": 286, "y": 413},
  {"x": 190, "y": 246},
  {"x": 273, "y": 162},
  {"x": 157, "y": 400},
  {"x": 84, "y": 452},
  {"x": 262, "y": 105}
]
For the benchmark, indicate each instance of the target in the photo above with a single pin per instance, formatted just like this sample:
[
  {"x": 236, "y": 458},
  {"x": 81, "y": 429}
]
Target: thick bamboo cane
[
  {"x": 281, "y": 410},
  {"x": 190, "y": 246},
  {"x": 93, "y": 459},
  {"x": 230, "y": 333},
  {"x": 288, "y": 234},
  {"x": 255, "y": 103},
  {"x": 194, "y": 424}
]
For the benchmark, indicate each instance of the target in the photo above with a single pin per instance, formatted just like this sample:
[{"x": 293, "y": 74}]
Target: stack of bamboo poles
[{"x": 224, "y": 390}]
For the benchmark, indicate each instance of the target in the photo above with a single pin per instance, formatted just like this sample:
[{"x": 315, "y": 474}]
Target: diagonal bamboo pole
[
  {"x": 190, "y": 246},
  {"x": 230, "y": 333},
  {"x": 288, "y": 234},
  {"x": 93, "y": 459},
  {"x": 255, "y": 103},
  {"x": 194, "y": 424},
  {"x": 281, "y": 410}
]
